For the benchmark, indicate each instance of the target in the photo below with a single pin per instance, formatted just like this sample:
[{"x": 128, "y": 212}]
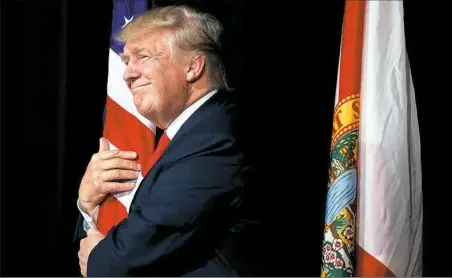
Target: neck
[
  {"x": 195, "y": 92},
  {"x": 195, "y": 96}
]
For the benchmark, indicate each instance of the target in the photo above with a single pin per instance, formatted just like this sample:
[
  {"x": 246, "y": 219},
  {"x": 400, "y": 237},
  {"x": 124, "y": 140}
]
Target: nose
[{"x": 131, "y": 73}]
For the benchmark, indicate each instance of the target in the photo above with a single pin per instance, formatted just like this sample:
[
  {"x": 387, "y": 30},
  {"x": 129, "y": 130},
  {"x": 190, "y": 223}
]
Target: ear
[{"x": 195, "y": 67}]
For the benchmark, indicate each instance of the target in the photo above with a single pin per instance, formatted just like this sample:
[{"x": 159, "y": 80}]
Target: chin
[
  {"x": 139, "y": 103},
  {"x": 141, "y": 110},
  {"x": 144, "y": 106}
]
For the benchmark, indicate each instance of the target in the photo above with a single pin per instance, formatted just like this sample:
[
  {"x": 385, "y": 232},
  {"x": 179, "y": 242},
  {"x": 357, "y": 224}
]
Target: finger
[
  {"x": 114, "y": 154},
  {"x": 118, "y": 163},
  {"x": 104, "y": 145},
  {"x": 82, "y": 269},
  {"x": 117, "y": 174},
  {"x": 82, "y": 260},
  {"x": 116, "y": 187}
]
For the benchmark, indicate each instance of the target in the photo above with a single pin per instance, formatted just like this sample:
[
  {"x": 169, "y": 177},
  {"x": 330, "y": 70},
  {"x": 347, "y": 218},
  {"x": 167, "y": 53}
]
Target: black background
[{"x": 282, "y": 57}]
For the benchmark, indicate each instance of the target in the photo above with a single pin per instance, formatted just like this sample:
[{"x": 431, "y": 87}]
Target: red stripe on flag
[
  {"x": 127, "y": 132},
  {"x": 352, "y": 49},
  {"x": 368, "y": 266},
  {"x": 111, "y": 213}
]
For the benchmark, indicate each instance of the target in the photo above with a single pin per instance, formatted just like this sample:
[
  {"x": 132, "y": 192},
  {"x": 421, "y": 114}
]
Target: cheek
[
  {"x": 147, "y": 72},
  {"x": 152, "y": 72},
  {"x": 162, "y": 76},
  {"x": 154, "y": 77}
]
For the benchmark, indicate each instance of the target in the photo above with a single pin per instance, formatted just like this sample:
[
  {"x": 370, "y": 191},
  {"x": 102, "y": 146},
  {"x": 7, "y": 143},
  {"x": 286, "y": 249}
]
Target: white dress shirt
[{"x": 91, "y": 220}]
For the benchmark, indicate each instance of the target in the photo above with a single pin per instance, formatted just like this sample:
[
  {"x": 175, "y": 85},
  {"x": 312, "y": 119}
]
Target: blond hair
[{"x": 192, "y": 31}]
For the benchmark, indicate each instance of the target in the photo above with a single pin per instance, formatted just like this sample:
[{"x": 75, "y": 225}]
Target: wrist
[{"x": 87, "y": 207}]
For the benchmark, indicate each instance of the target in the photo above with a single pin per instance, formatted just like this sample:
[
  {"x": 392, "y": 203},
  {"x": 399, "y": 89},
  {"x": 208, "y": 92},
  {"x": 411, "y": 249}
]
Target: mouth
[{"x": 134, "y": 88}]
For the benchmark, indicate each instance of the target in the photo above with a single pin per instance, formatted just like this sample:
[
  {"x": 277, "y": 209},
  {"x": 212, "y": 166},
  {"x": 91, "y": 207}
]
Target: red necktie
[{"x": 112, "y": 211}]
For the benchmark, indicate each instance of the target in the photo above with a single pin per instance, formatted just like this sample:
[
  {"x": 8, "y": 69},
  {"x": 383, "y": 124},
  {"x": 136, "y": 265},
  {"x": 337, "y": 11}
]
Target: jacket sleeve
[
  {"x": 168, "y": 214},
  {"x": 79, "y": 232}
]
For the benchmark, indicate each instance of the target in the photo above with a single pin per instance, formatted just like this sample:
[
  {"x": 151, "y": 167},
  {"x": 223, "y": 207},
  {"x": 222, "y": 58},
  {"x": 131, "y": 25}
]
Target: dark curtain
[{"x": 282, "y": 58}]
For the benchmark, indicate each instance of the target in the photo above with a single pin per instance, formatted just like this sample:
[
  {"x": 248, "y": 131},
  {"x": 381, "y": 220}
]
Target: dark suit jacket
[{"x": 185, "y": 219}]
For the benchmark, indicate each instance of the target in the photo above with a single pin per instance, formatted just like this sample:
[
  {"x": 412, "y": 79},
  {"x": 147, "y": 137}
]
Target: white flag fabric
[{"x": 390, "y": 203}]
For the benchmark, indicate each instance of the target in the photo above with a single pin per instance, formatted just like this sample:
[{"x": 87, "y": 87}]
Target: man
[{"x": 184, "y": 219}]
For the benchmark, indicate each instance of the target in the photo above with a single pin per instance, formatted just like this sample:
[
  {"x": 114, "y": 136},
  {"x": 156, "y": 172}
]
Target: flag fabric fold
[
  {"x": 338, "y": 250},
  {"x": 124, "y": 127},
  {"x": 373, "y": 221}
]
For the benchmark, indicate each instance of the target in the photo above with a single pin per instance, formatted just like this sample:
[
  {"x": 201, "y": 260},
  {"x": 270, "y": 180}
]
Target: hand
[
  {"x": 103, "y": 175},
  {"x": 86, "y": 245}
]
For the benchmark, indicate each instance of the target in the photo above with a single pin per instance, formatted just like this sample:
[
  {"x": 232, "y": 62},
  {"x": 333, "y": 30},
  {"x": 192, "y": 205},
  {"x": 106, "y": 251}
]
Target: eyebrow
[{"x": 124, "y": 57}]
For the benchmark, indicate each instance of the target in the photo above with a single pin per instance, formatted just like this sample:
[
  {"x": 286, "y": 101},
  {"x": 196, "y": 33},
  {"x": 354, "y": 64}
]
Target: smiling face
[{"x": 157, "y": 81}]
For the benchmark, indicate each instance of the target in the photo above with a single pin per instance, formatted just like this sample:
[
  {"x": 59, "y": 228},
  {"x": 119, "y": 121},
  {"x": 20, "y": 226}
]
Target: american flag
[{"x": 124, "y": 127}]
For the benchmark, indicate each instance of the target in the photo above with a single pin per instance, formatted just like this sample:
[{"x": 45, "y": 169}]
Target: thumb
[{"x": 104, "y": 145}]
